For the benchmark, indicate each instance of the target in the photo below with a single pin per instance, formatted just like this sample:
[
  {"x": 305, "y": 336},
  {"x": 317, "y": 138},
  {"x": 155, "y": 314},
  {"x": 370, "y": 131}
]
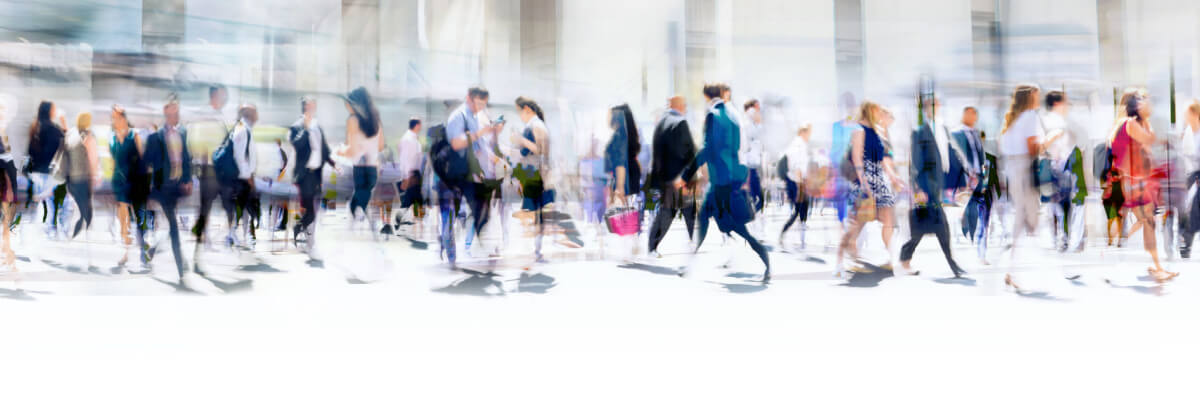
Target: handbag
[
  {"x": 58, "y": 166},
  {"x": 865, "y": 210},
  {"x": 622, "y": 221}
]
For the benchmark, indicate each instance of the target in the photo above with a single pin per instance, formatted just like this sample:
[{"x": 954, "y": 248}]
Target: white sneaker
[{"x": 654, "y": 254}]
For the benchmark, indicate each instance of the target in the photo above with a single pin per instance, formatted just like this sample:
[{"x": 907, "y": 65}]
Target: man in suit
[
  {"x": 929, "y": 166},
  {"x": 170, "y": 164},
  {"x": 969, "y": 148},
  {"x": 312, "y": 153},
  {"x": 673, "y": 150}
]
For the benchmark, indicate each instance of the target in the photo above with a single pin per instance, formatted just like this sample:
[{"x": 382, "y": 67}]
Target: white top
[
  {"x": 314, "y": 143},
  {"x": 942, "y": 137},
  {"x": 1013, "y": 141},
  {"x": 247, "y": 161},
  {"x": 752, "y": 149},
  {"x": 409, "y": 150},
  {"x": 1189, "y": 148},
  {"x": 799, "y": 155},
  {"x": 363, "y": 151},
  {"x": 1060, "y": 150}
]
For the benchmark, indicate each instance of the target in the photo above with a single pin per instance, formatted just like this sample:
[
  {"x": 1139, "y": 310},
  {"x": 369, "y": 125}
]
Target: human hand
[{"x": 920, "y": 197}]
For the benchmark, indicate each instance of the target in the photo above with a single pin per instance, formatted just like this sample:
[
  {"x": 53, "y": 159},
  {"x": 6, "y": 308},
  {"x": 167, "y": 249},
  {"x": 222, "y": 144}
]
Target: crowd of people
[{"x": 1038, "y": 163}]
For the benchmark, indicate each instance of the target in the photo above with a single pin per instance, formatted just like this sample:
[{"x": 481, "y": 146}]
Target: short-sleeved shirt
[
  {"x": 460, "y": 122},
  {"x": 1013, "y": 141}
]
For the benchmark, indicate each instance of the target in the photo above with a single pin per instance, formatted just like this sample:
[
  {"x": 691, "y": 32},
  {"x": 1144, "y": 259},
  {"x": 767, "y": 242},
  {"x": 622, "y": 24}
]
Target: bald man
[{"x": 673, "y": 150}]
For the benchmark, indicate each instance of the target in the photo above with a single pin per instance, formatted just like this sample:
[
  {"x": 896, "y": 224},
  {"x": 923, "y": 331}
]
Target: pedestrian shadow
[
  {"x": 956, "y": 281},
  {"x": 1039, "y": 295},
  {"x": 259, "y": 267},
  {"x": 315, "y": 263},
  {"x": 811, "y": 259},
  {"x": 481, "y": 284},
  {"x": 180, "y": 289},
  {"x": 537, "y": 283},
  {"x": 417, "y": 244},
  {"x": 744, "y": 288},
  {"x": 1156, "y": 290},
  {"x": 870, "y": 279},
  {"x": 20, "y": 294},
  {"x": 231, "y": 285},
  {"x": 654, "y": 269}
]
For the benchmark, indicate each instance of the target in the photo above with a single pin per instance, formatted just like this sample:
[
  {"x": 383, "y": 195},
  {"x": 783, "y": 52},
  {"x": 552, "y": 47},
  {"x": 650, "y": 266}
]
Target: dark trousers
[
  {"x": 82, "y": 193},
  {"x": 364, "y": 183},
  {"x": 800, "y": 205},
  {"x": 673, "y": 202},
  {"x": 449, "y": 200},
  {"x": 168, "y": 203},
  {"x": 210, "y": 189},
  {"x": 480, "y": 202},
  {"x": 310, "y": 190},
  {"x": 926, "y": 220},
  {"x": 756, "y": 190},
  {"x": 716, "y": 205}
]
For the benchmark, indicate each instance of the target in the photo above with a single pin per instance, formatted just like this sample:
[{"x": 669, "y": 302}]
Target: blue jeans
[{"x": 449, "y": 200}]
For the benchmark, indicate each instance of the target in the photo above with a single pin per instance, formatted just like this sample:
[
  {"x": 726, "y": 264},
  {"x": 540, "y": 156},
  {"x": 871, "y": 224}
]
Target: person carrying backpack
[
  {"x": 449, "y": 154},
  {"x": 234, "y": 162}
]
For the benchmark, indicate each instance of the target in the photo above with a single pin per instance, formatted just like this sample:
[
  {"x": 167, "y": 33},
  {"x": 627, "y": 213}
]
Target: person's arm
[
  {"x": 920, "y": 167},
  {"x": 454, "y": 127},
  {"x": 1142, "y": 134},
  {"x": 856, "y": 158},
  {"x": 240, "y": 157},
  {"x": 89, "y": 146},
  {"x": 353, "y": 148}
]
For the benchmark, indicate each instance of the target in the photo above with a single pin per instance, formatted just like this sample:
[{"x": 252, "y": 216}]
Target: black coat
[
  {"x": 158, "y": 159},
  {"x": 926, "y": 167},
  {"x": 299, "y": 137},
  {"x": 672, "y": 150}
]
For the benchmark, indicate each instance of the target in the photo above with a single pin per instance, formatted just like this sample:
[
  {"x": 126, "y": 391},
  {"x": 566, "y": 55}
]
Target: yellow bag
[{"x": 865, "y": 210}]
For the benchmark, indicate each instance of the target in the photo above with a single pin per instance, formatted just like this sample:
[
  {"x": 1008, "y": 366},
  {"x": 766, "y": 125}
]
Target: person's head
[
  {"x": 308, "y": 106},
  {"x": 529, "y": 109},
  {"x": 726, "y": 92},
  {"x": 1136, "y": 103},
  {"x": 805, "y": 131},
  {"x": 869, "y": 114},
  {"x": 120, "y": 121},
  {"x": 1192, "y": 115},
  {"x": 1056, "y": 101},
  {"x": 46, "y": 111},
  {"x": 970, "y": 116},
  {"x": 217, "y": 96},
  {"x": 249, "y": 113},
  {"x": 360, "y": 105},
  {"x": 171, "y": 111},
  {"x": 83, "y": 122},
  {"x": 754, "y": 109},
  {"x": 677, "y": 103},
  {"x": 1024, "y": 98},
  {"x": 713, "y": 90},
  {"x": 622, "y": 120},
  {"x": 414, "y": 124},
  {"x": 477, "y": 98},
  {"x": 886, "y": 118}
]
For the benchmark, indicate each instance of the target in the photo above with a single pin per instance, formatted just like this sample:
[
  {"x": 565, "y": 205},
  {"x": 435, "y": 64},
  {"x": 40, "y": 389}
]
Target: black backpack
[
  {"x": 448, "y": 165},
  {"x": 1101, "y": 161},
  {"x": 782, "y": 169},
  {"x": 224, "y": 164}
]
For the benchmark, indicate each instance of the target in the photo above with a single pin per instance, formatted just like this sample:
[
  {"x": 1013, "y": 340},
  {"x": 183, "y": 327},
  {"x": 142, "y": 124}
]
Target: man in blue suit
[
  {"x": 929, "y": 170},
  {"x": 726, "y": 201}
]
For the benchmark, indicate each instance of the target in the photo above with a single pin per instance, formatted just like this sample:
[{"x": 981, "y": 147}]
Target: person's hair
[
  {"x": 477, "y": 92},
  {"x": 120, "y": 110},
  {"x": 364, "y": 109},
  {"x": 713, "y": 90},
  {"x": 246, "y": 110},
  {"x": 805, "y": 127},
  {"x": 83, "y": 123},
  {"x": 43, "y": 117},
  {"x": 413, "y": 122},
  {"x": 304, "y": 100},
  {"x": 866, "y": 113},
  {"x": 622, "y": 118},
  {"x": 749, "y": 104},
  {"x": 1194, "y": 107},
  {"x": 1023, "y": 97},
  {"x": 1054, "y": 97},
  {"x": 525, "y": 102},
  {"x": 1131, "y": 99},
  {"x": 970, "y": 108},
  {"x": 214, "y": 88}
]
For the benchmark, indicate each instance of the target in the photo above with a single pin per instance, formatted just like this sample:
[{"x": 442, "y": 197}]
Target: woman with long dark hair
[
  {"x": 45, "y": 140},
  {"x": 1130, "y": 142},
  {"x": 363, "y": 144},
  {"x": 620, "y": 159}
]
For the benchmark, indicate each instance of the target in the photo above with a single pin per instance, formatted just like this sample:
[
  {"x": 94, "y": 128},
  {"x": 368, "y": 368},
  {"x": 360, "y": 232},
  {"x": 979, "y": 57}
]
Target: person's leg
[
  {"x": 886, "y": 216},
  {"x": 667, "y": 209},
  {"x": 981, "y": 230},
  {"x": 82, "y": 195},
  {"x": 1145, "y": 215},
  {"x": 942, "y": 231},
  {"x": 168, "y": 207},
  {"x": 446, "y": 208},
  {"x": 791, "y": 220},
  {"x": 756, "y": 191},
  {"x": 209, "y": 190},
  {"x": 758, "y": 248}
]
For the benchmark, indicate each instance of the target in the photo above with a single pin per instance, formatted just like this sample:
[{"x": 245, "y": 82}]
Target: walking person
[
  {"x": 534, "y": 171},
  {"x": 1020, "y": 143},
  {"x": 363, "y": 144},
  {"x": 45, "y": 141},
  {"x": 751, "y": 153},
  {"x": 979, "y": 170},
  {"x": 672, "y": 151},
  {"x": 83, "y": 175},
  {"x": 235, "y": 165},
  {"x": 872, "y": 191},
  {"x": 125, "y": 149},
  {"x": 1130, "y": 143},
  {"x": 448, "y": 156},
  {"x": 726, "y": 201},
  {"x": 170, "y": 166},
  {"x": 8, "y": 186},
  {"x": 312, "y": 154},
  {"x": 1189, "y": 147},
  {"x": 1062, "y": 139},
  {"x": 411, "y": 162},
  {"x": 485, "y": 165},
  {"x": 207, "y": 131},
  {"x": 801, "y": 180},
  {"x": 929, "y": 165},
  {"x": 621, "y": 163}
]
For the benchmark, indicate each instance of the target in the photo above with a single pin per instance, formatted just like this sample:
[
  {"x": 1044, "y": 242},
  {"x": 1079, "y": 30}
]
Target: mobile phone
[{"x": 500, "y": 120}]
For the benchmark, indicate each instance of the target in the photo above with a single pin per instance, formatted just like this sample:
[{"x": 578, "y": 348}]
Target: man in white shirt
[
  {"x": 799, "y": 157},
  {"x": 236, "y": 194},
  {"x": 312, "y": 153},
  {"x": 1066, "y": 203},
  {"x": 752, "y": 150},
  {"x": 410, "y": 161}
]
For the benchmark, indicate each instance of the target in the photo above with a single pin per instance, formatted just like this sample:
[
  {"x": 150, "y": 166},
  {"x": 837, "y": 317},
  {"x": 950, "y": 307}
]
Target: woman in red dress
[{"x": 1129, "y": 142}]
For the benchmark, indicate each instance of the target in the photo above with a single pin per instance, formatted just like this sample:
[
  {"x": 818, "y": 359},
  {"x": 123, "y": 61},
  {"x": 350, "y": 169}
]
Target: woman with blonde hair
[
  {"x": 1019, "y": 145},
  {"x": 1129, "y": 142},
  {"x": 872, "y": 192}
]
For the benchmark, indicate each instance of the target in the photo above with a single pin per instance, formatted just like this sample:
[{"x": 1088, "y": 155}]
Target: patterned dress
[{"x": 875, "y": 150}]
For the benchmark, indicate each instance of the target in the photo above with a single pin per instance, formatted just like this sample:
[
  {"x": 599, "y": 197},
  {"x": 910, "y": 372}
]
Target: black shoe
[
  {"x": 959, "y": 273},
  {"x": 387, "y": 230},
  {"x": 1073, "y": 277},
  {"x": 767, "y": 276}
]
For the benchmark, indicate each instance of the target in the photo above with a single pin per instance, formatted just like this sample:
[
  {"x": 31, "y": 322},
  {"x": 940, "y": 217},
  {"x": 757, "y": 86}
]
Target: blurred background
[{"x": 807, "y": 60}]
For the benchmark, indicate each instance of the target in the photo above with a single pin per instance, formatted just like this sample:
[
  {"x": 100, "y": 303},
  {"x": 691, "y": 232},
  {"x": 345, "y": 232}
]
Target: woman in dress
[
  {"x": 8, "y": 188},
  {"x": 1129, "y": 143},
  {"x": 537, "y": 189},
  {"x": 621, "y": 162},
  {"x": 363, "y": 144},
  {"x": 875, "y": 180},
  {"x": 125, "y": 150}
]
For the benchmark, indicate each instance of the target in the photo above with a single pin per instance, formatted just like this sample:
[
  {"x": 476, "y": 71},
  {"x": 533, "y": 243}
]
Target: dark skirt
[{"x": 8, "y": 182}]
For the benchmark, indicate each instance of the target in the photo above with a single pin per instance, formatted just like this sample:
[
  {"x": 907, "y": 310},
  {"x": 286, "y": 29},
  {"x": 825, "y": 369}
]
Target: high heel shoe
[{"x": 1008, "y": 281}]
